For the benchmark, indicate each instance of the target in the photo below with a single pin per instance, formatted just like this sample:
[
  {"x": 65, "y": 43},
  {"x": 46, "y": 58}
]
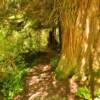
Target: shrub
[{"x": 84, "y": 93}]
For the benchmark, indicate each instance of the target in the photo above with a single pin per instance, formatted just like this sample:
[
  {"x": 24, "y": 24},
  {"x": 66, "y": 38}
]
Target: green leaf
[{"x": 83, "y": 92}]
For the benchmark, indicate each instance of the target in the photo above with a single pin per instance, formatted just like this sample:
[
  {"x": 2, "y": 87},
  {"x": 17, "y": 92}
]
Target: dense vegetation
[{"x": 66, "y": 32}]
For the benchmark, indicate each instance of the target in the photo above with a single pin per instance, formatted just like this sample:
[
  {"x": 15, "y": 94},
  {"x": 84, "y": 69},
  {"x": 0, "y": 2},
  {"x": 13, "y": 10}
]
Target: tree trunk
[
  {"x": 76, "y": 34},
  {"x": 52, "y": 42},
  {"x": 77, "y": 37},
  {"x": 60, "y": 36},
  {"x": 71, "y": 34}
]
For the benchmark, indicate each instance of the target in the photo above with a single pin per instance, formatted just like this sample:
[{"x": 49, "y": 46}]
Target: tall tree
[
  {"x": 77, "y": 18},
  {"x": 80, "y": 27}
]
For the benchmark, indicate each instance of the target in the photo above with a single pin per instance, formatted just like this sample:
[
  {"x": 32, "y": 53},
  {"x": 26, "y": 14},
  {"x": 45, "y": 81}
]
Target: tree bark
[
  {"x": 60, "y": 36},
  {"x": 77, "y": 38},
  {"x": 52, "y": 42},
  {"x": 71, "y": 34}
]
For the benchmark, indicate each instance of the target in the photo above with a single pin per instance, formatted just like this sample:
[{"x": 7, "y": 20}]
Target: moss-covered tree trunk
[
  {"x": 76, "y": 23},
  {"x": 78, "y": 35},
  {"x": 72, "y": 22}
]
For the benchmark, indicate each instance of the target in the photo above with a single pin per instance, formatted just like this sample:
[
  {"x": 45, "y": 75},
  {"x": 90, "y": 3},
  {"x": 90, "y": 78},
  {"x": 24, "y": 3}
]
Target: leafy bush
[
  {"x": 12, "y": 84},
  {"x": 17, "y": 38},
  {"x": 98, "y": 93},
  {"x": 84, "y": 93}
]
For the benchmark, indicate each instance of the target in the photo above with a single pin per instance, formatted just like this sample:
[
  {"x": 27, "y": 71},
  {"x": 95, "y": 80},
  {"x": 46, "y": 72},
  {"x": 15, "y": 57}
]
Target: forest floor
[{"x": 40, "y": 82}]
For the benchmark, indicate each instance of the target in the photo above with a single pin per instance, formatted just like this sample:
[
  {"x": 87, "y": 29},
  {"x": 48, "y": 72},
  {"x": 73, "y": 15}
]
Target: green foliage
[
  {"x": 54, "y": 62},
  {"x": 17, "y": 38},
  {"x": 84, "y": 93},
  {"x": 12, "y": 84},
  {"x": 98, "y": 93}
]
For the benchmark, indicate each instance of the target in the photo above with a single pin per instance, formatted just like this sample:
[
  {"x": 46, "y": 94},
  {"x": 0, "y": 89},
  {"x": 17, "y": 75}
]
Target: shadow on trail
[{"x": 40, "y": 82}]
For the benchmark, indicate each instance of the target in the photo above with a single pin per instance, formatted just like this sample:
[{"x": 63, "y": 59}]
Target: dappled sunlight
[
  {"x": 34, "y": 80},
  {"x": 49, "y": 49},
  {"x": 40, "y": 83}
]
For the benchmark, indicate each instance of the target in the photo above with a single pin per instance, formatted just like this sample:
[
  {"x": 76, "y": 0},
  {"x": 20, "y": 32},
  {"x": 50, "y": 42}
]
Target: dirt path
[{"x": 40, "y": 83}]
